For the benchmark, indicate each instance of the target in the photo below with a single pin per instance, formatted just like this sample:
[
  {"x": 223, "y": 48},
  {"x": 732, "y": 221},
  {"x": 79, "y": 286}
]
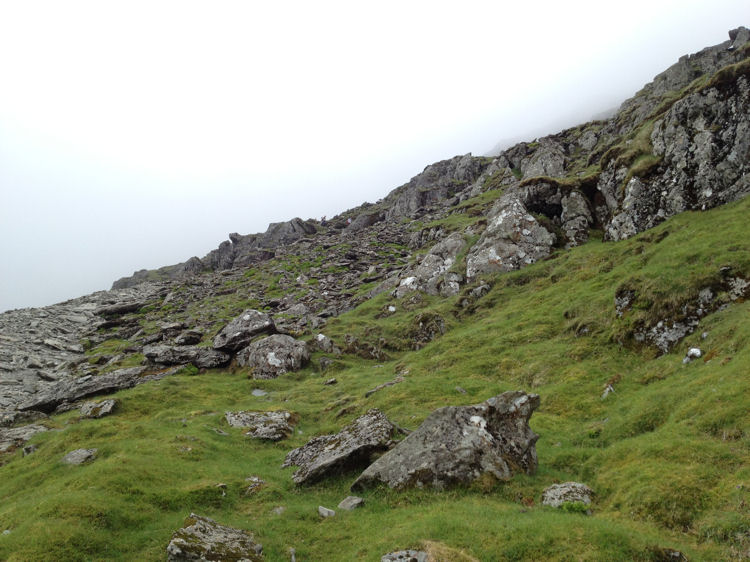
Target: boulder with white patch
[
  {"x": 458, "y": 444},
  {"x": 273, "y": 356}
]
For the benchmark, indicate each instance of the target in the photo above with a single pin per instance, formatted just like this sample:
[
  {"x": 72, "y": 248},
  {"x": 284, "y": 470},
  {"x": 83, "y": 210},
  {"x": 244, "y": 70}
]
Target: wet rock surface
[
  {"x": 351, "y": 448},
  {"x": 458, "y": 444},
  {"x": 202, "y": 538}
]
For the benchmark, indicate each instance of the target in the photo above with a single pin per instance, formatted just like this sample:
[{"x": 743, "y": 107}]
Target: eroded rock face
[
  {"x": 274, "y": 356},
  {"x": 240, "y": 331},
  {"x": 351, "y": 448},
  {"x": 273, "y": 426},
  {"x": 202, "y": 538},
  {"x": 458, "y": 444},
  {"x": 201, "y": 357}
]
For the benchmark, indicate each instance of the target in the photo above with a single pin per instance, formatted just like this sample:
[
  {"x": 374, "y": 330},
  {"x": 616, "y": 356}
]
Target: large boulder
[
  {"x": 458, "y": 444},
  {"x": 240, "y": 331},
  {"x": 274, "y": 356},
  {"x": 201, "y": 357},
  {"x": 433, "y": 275},
  {"x": 262, "y": 425},
  {"x": 350, "y": 448},
  {"x": 202, "y": 538}
]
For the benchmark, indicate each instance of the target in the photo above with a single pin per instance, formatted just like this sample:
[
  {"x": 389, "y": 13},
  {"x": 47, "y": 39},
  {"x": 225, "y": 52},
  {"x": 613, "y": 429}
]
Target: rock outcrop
[
  {"x": 348, "y": 449},
  {"x": 201, "y": 357},
  {"x": 458, "y": 444}
]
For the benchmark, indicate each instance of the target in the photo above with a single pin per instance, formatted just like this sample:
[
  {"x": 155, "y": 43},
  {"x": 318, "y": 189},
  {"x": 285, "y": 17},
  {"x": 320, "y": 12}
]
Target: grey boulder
[
  {"x": 567, "y": 492},
  {"x": 405, "y": 556},
  {"x": 202, "y": 538},
  {"x": 351, "y": 448},
  {"x": 17, "y": 436},
  {"x": 274, "y": 356},
  {"x": 458, "y": 444},
  {"x": 273, "y": 426},
  {"x": 240, "y": 331}
]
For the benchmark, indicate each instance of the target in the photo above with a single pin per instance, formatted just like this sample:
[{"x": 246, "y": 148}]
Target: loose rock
[
  {"x": 240, "y": 331},
  {"x": 325, "y": 512},
  {"x": 98, "y": 409},
  {"x": 351, "y": 502}
]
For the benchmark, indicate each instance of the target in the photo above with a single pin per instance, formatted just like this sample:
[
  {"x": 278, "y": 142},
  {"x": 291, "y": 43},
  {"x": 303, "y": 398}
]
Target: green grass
[{"x": 667, "y": 453}]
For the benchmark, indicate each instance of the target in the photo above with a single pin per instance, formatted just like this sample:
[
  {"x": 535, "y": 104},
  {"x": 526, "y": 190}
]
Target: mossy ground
[{"x": 668, "y": 453}]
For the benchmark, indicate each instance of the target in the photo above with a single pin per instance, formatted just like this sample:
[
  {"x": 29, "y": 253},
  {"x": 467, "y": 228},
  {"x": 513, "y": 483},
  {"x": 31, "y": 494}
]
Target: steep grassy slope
[{"x": 668, "y": 453}]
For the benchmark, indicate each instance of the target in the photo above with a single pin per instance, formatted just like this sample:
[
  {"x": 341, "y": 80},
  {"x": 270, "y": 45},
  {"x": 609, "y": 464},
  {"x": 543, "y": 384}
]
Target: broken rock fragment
[{"x": 202, "y": 538}]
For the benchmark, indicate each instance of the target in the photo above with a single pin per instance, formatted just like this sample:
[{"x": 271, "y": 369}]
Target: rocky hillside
[{"x": 595, "y": 278}]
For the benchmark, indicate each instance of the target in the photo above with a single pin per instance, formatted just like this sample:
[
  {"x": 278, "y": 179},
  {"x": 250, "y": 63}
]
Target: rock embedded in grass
[
  {"x": 273, "y": 426},
  {"x": 98, "y": 409},
  {"x": 351, "y": 502},
  {"x": 405, "y": 556},
  {"x": 567, "y": 492},
  {"x": 202, "y": 538},
  {"x": 459, "y": 444},
  {"x": 80, "y": 456}
]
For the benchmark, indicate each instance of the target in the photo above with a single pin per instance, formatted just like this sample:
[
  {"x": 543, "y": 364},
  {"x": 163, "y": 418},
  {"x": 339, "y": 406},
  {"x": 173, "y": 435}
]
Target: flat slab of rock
[
  {"x": 202, "y": 538},
  {"x": 98, "y": 409},
  {"x": 238, "y": 333},
  {"x": 80, "y": 456},
  {"x": 274, "y": 356},
  {"x": 201, "y": 357},
  {"x": 351, "y": 448},
  {"x": 262, "y": 425},
  {"x": 458, "y": 444},
  {"x": 558, "y": 494},
  {"x": 72, "y": 389}
]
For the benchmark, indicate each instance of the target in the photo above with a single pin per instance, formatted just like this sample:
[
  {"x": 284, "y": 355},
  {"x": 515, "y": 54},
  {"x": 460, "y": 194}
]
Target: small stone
[
  {"x": 694, "y": 353},
  {"x": 278, "y": 510},
  {"x": 460, "y": 390},
  {"x": 80, "y": 456},
  {"x": 6, "y": 532},
  {"x": 325, "y": 512},
  {"x": 258, "y": 392},
  {"x": 330, "y": 382},
  {"x": 351, "y": 502},
  {"x": 28, "y": 450}
]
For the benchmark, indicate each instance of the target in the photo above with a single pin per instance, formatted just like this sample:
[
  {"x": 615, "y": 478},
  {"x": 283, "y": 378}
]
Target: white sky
[{"x": 138, "y": 134}]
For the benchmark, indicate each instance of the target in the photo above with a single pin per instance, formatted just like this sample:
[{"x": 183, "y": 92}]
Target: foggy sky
[{"x": 138, "y": 134}]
